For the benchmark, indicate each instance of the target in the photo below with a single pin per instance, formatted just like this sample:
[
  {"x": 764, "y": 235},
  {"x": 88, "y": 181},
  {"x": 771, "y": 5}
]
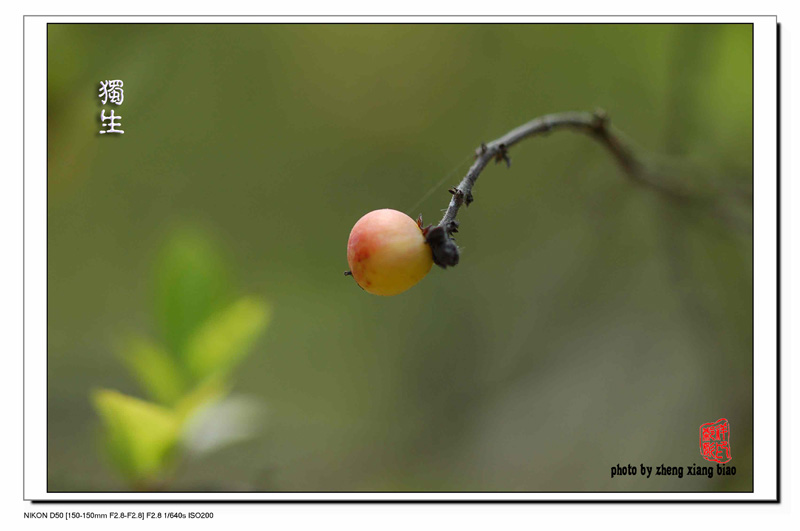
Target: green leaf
[
  {"x": 191, "y": 283},
  {"x": 156, "y": 371},
  {"x": 140, "y": 436},
  {"x": 223, "y": 340}
]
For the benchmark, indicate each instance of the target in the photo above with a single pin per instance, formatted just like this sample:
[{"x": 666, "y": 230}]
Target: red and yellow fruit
[{"x": 387, "y": 252}]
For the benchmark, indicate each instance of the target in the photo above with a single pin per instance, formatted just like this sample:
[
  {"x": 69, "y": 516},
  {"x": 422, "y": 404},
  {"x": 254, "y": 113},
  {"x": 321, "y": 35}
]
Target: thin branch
[{"x": 439, "y": 237}]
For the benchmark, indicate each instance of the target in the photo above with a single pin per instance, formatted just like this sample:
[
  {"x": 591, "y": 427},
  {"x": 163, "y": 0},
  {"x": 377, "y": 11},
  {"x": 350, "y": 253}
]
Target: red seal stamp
[{"x": 715, "y": 442}]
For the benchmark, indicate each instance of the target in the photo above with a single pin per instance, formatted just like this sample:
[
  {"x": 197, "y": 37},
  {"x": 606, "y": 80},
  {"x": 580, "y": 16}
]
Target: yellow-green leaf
[
  {"x": 225, "y": 338},
  {"x": 140, "y": 436},
  {"x": 156, "y": 371}
]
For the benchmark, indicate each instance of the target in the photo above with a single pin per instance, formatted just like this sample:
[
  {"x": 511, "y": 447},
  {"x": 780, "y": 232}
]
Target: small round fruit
[{"x": 387, "y": 252}]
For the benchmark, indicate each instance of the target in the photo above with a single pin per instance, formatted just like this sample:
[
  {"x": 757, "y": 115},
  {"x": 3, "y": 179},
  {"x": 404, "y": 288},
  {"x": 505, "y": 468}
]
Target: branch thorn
[
  {"x": 600, "y": 119},
  {"x": 502, "y": 154}
]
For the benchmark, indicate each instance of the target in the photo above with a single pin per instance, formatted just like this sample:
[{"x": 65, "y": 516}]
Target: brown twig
[{"x": 439, "y": 237}]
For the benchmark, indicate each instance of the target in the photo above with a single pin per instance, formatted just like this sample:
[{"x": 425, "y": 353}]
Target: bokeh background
[{"x": 591, "y": 321}]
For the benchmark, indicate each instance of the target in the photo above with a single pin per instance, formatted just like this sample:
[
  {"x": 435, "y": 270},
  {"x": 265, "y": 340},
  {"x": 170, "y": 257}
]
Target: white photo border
[{"x": 766, "y": 426}]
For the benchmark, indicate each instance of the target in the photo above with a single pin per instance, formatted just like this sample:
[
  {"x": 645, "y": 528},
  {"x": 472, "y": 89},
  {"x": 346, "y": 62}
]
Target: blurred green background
[{"x": 591, "y": 322}]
